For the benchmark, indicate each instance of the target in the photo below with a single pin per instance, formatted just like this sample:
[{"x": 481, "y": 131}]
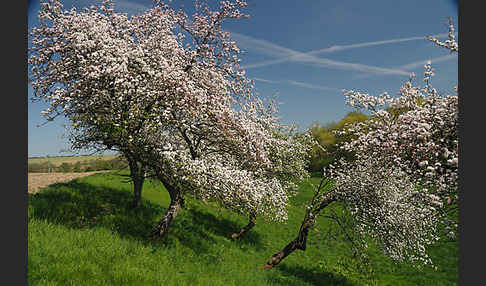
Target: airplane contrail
[{"x": 284, "y": 54}]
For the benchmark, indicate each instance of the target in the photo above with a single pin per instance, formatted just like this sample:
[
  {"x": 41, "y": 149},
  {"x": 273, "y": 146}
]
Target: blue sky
[{"x": 308, "y": 51}]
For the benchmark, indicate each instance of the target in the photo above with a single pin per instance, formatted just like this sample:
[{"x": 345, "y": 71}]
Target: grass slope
[{"x": 84, "y": 233}]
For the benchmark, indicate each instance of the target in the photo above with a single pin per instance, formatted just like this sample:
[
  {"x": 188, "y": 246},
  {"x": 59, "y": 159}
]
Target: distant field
[{"x": 56, "y": 161}]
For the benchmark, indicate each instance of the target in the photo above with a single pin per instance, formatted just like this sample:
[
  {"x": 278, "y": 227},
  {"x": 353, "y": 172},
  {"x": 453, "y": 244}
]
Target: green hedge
[{"x": 79, "y": 166}]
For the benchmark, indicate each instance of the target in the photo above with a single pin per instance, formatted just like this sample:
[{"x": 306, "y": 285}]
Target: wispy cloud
[
  {"x": 130, "y": 7},
  {"x": 265, "y": 80},
  {"x": 284, "y": 54},
  {"x": 313, "y": 86},
  {"x": 416, "y": 64},
  {"x": 328, "y": 63},
  {"x": 324, "y": 62},
  {"x": 369, "y": 44},
  {"x": 298, "y": 83},
  {"x": 266, "y": 47},
  {"x": 433, "y": 60},
  {"x": 262, "y": 46}
]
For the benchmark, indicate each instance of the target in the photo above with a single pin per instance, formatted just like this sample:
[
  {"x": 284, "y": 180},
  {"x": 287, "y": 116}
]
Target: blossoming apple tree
[
  {"x": 405, "y": 170},
  {"x": 167, "y": 89}
]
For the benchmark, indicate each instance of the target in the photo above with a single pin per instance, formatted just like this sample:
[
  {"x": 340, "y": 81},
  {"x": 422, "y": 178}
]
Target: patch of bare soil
[{"x": 38, "y": 181}]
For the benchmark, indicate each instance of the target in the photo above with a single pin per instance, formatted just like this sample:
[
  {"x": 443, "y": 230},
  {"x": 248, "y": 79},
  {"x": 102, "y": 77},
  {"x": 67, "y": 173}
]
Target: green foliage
[
  {"x": 42, "y": 167},
  {"x": 77, "y": 167},
  {"x": 118, "y": 163},
  {"x": 84, "y": 232},
  {"x": 65, "y": 168},
  {"x": 100, "y": 165},
  {"x": 321, "y": 157}
]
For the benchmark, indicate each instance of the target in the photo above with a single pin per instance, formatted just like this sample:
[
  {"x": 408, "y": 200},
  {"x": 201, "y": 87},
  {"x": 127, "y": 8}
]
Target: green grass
[
  {"x": 56, "y": 161},
  {"x": 85, "y": 233}
]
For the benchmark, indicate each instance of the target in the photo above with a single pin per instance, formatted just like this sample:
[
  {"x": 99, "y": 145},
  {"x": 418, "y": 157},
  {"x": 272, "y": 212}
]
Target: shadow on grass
[
  {"x": 81, "y": 205},
  {"x": 315, "y": 276},
  {"x": 224, "y": 227}
]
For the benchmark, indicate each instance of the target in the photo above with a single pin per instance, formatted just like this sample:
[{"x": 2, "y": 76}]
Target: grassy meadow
[{"x": 84, "y": 232}]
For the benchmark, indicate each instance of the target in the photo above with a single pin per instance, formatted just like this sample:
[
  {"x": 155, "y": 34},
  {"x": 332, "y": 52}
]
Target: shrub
[
  {"x": 65, "y": 167},
  {"x": 38, "y": 167}
]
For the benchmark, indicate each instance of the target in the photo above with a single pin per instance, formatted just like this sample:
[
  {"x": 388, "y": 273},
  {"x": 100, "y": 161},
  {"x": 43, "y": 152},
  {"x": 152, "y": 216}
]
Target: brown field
[{"x": 38, "y": 181}]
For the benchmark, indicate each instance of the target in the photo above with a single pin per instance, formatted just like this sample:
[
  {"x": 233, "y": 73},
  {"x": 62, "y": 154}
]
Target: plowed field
[{"x": 38, "y": 181}]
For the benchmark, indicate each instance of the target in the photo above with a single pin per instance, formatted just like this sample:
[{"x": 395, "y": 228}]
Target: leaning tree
[
  {"x": 87, "y": 67},
  {"x": 404, "y": 174},
  {"x": 166, "y": 88}
]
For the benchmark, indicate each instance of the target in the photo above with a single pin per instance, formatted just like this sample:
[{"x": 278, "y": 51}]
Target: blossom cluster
[
  {"x": 387, "y": 205},
  {"x": 451, "y": 43}
]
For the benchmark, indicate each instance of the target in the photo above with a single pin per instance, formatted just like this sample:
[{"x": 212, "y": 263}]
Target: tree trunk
[
  {"x": 137, "y": 191},
  {"x": 162, "y": 227},
  {"x": 300, "y": 242},
  {"x": 246, "y": 228},
  {"x": 137, "y": 174}
]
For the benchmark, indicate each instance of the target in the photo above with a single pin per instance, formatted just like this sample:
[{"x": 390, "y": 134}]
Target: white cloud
[
  {"x": 416, "y": 64},
  {"x": 265, "y": 80},
  {"x": 308, "y": 85},
  {"x": 369, "y": 44},
  {"x": 298, "y": 83},
  {"x": 284, "y": 54},
  {"x": 262, "y": 46},
  {"x": 433, "y": 61}
]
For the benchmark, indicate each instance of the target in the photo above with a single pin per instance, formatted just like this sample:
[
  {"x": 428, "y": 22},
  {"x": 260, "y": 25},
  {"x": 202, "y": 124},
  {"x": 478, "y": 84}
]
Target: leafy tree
[{"x": 166, "y": 90}]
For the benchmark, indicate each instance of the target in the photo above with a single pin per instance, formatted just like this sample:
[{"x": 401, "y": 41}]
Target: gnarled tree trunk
[
  {"x": 246, "y": 228},
  {"x": 301, "y": 240},
  {"x": 176, "y": 202}
]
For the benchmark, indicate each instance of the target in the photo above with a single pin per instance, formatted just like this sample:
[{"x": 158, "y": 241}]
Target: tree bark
[
  {"x": 137, "y": 192},
  {"x": 300, "y": 242},
  {"x": 246, "y": 228},
  {"x": 176, "y": 202},
  {"x": 137, "y": 174},
  {"x": 279, "y": 256}
]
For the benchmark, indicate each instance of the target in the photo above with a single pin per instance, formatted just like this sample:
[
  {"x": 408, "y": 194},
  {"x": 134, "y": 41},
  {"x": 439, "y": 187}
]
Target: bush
[
  {"x": 77, "y": 167},
  {"x": 65, "y": 168},
  {"x": 118, "y": 163},
  {"x": 98, "y": 165},
  {"x": 38, "y": 167}
]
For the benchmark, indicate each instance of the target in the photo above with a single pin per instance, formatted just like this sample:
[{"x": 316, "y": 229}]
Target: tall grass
[{"x": 85, "y": 233}]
